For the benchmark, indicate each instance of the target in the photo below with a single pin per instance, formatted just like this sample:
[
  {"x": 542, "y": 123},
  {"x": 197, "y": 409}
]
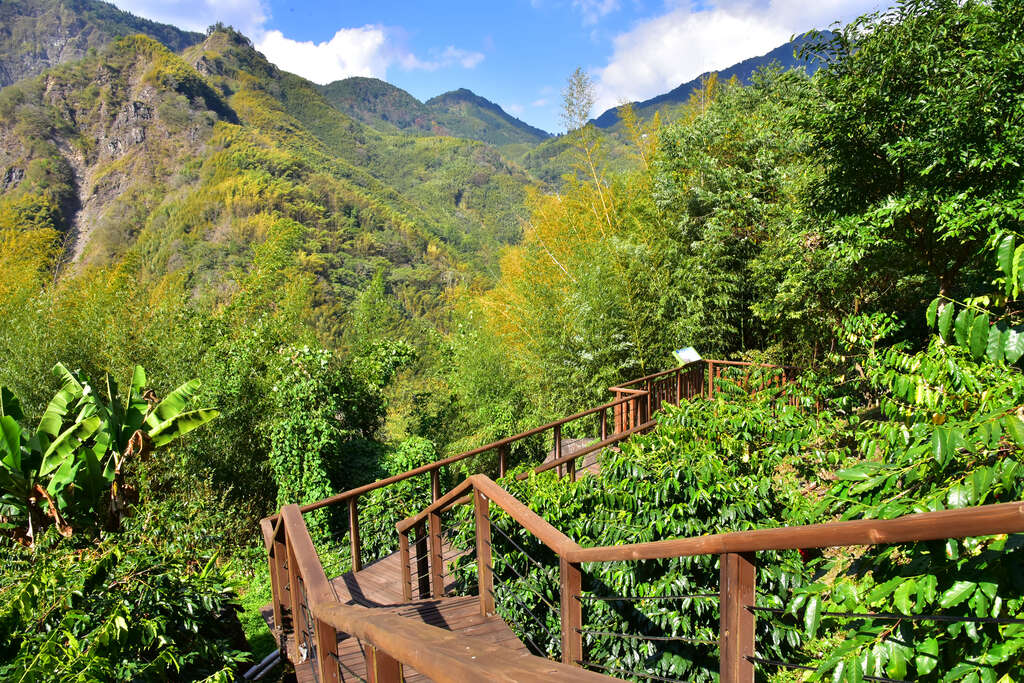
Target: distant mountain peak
[
  {"x": 784, "y": 56},
  {"x": 457, "y": 113}
]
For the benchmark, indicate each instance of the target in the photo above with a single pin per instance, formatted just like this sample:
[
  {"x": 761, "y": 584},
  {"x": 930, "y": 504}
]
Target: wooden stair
[{"x": 379, "y": 586}]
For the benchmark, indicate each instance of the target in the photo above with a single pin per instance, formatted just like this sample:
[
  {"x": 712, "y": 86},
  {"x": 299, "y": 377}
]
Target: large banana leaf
[
  {"x": 138, "y": 384},
  {"x": 12, "y": 479},
  {"x": 9, "y": 404},
  {"x": 61, "y": 479},
  {"x": 182, "y": 423},
  {"x": 172, "y": 405},
  {"x": 116, "y": 409},
  {"x": 65, "y": 445},
  {"x": 53, "y": 418},
  {"x": 10, "y": 443}
]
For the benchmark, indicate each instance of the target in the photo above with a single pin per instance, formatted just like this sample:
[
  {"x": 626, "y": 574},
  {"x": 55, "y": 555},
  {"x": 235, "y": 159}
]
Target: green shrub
[{"x": 149, "y": 604}]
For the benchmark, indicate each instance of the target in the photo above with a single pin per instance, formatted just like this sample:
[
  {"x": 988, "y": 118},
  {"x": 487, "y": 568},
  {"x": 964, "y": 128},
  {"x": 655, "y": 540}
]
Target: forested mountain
[
  {"x": 785, "y": 56},
  {"x": 470, "y": 116},
  {"x": 38, "y": 34},
  {"x": 459, "y": 113},
  {"x": 191, "y": 159},
  {"x": 381, "y": 105}
]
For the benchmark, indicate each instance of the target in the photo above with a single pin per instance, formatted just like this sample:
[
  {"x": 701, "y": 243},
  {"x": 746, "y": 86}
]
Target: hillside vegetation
[
  {"x": 343, "y": 301},
  {"x": 38, "y": 34}
]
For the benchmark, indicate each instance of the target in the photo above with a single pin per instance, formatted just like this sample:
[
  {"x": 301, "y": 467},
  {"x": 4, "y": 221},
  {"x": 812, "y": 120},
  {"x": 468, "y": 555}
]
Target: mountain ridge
[
  {"x": 38, "y": 34},
  {"x": 784, "y": 55},
  {"x": 456, "y": 113}
]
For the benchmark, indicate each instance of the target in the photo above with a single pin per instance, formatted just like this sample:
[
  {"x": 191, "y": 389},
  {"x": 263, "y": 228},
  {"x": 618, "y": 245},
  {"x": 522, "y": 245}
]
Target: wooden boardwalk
[{"x": 379, "y": 586}]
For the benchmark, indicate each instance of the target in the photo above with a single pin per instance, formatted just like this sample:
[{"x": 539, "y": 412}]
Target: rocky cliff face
[
  {"x": 92, "y": 134},
  {"x": 38, "y": 34}
]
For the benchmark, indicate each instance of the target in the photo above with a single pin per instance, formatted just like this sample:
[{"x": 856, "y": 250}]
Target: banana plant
[
  {"x": 72, "y": 465},
  {"x": 37, "y": 465}
]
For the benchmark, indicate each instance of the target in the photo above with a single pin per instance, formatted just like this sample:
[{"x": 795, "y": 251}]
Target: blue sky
[{"x": 517, "y": 53}]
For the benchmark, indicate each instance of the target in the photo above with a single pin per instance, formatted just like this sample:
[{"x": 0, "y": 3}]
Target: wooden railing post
[
  {"x": 298, "y": 618},
  {"x": 736, "y": 637},
  {"x": 279, "y": 577},
  {"x": 502, "y": 460},
  {"x": 422, "y": 560},
  {"x": 556, "y": 435},
  {"x": 403, "y": 555},
  {"x": 326, "y": 652},
  {"x": 619, "y": 410},
  {"x": 572, "y": 612},
  {"x": 436, "y": 556},
  {"x": 679, "y": 386},
  {"x": 435, "y": 484},
  {"x": 380, "y": 667},
  {"x": 604, "y": 424},
  {"x": 711, "y": 379},
  {"x": 484, "y": 555},
  {"x": 651, "y": 384},
  {"x": 353, "y": 533}
]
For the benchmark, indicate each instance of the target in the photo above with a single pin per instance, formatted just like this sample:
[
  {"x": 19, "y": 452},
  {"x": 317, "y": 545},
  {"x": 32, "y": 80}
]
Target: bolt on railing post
[
  {"x": 502, "y": 460},
  {"x": 435, "y": 484},
  {"x": 484, "y": 554},
  {"x": 736, "y": 637},
  {"x": 436, "y": 556},
  {"x": 326, "y": 646},
  {"x": 403, "y": 555},
  {"x": 572, "y": 611},
  {"x": 422, "y": 560},
  {"x": 381, "y": 667},
  {"x": 353, "y": 534}
]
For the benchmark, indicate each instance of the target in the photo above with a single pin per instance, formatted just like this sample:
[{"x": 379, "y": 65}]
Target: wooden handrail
[
  {"x": 404, "y": 525},
  {"x": 682, "y": 368},
  {"x": 621, "y": 436},
  {"x": 442, "y": 655},
  {"x": 267, "y": 531},
  {"x": 985, "y": 520},
  {"x": 437, "y": 464},
  {"x": 311, "y": 569},
  {"x": 527, "y": 518}
]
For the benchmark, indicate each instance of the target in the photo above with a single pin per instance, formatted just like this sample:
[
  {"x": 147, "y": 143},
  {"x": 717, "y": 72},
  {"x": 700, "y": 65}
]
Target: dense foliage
[
  {"x": 150, "y": 604},
  {"x": 332, "y": 289}
]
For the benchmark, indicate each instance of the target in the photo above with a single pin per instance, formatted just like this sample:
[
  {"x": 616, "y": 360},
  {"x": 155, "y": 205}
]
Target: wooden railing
[
  {"x": 736, "y": 551},
  {"x": 702, "y": 378},
  {"x": 305, "y": 604},
  {"x": 301, "y": 591}
]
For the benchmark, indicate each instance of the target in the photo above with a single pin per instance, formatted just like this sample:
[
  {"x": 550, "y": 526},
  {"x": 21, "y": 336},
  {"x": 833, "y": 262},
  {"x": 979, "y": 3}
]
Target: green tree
[{"x": 917, "y": 125}]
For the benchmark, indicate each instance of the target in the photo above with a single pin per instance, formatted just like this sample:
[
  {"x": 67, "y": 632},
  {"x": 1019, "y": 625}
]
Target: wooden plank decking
[{"x": 379, "y": 585}]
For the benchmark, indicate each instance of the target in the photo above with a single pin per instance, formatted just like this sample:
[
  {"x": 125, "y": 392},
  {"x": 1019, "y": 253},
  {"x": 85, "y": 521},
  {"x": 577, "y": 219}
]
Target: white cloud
[
  {"x": 353, "y": 51},
  {"x": 514, "y": 109},
  {"x": 594, "y": 10},
  {"x": 248, "y": 16},
  {"x": 542, "y": 102},
  {"x": 450, "y": 56},
  {"x": 661, "y": 53}
]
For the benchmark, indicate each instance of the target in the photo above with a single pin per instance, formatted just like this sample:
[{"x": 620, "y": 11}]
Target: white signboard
[{"x": 687, "y": 355}]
